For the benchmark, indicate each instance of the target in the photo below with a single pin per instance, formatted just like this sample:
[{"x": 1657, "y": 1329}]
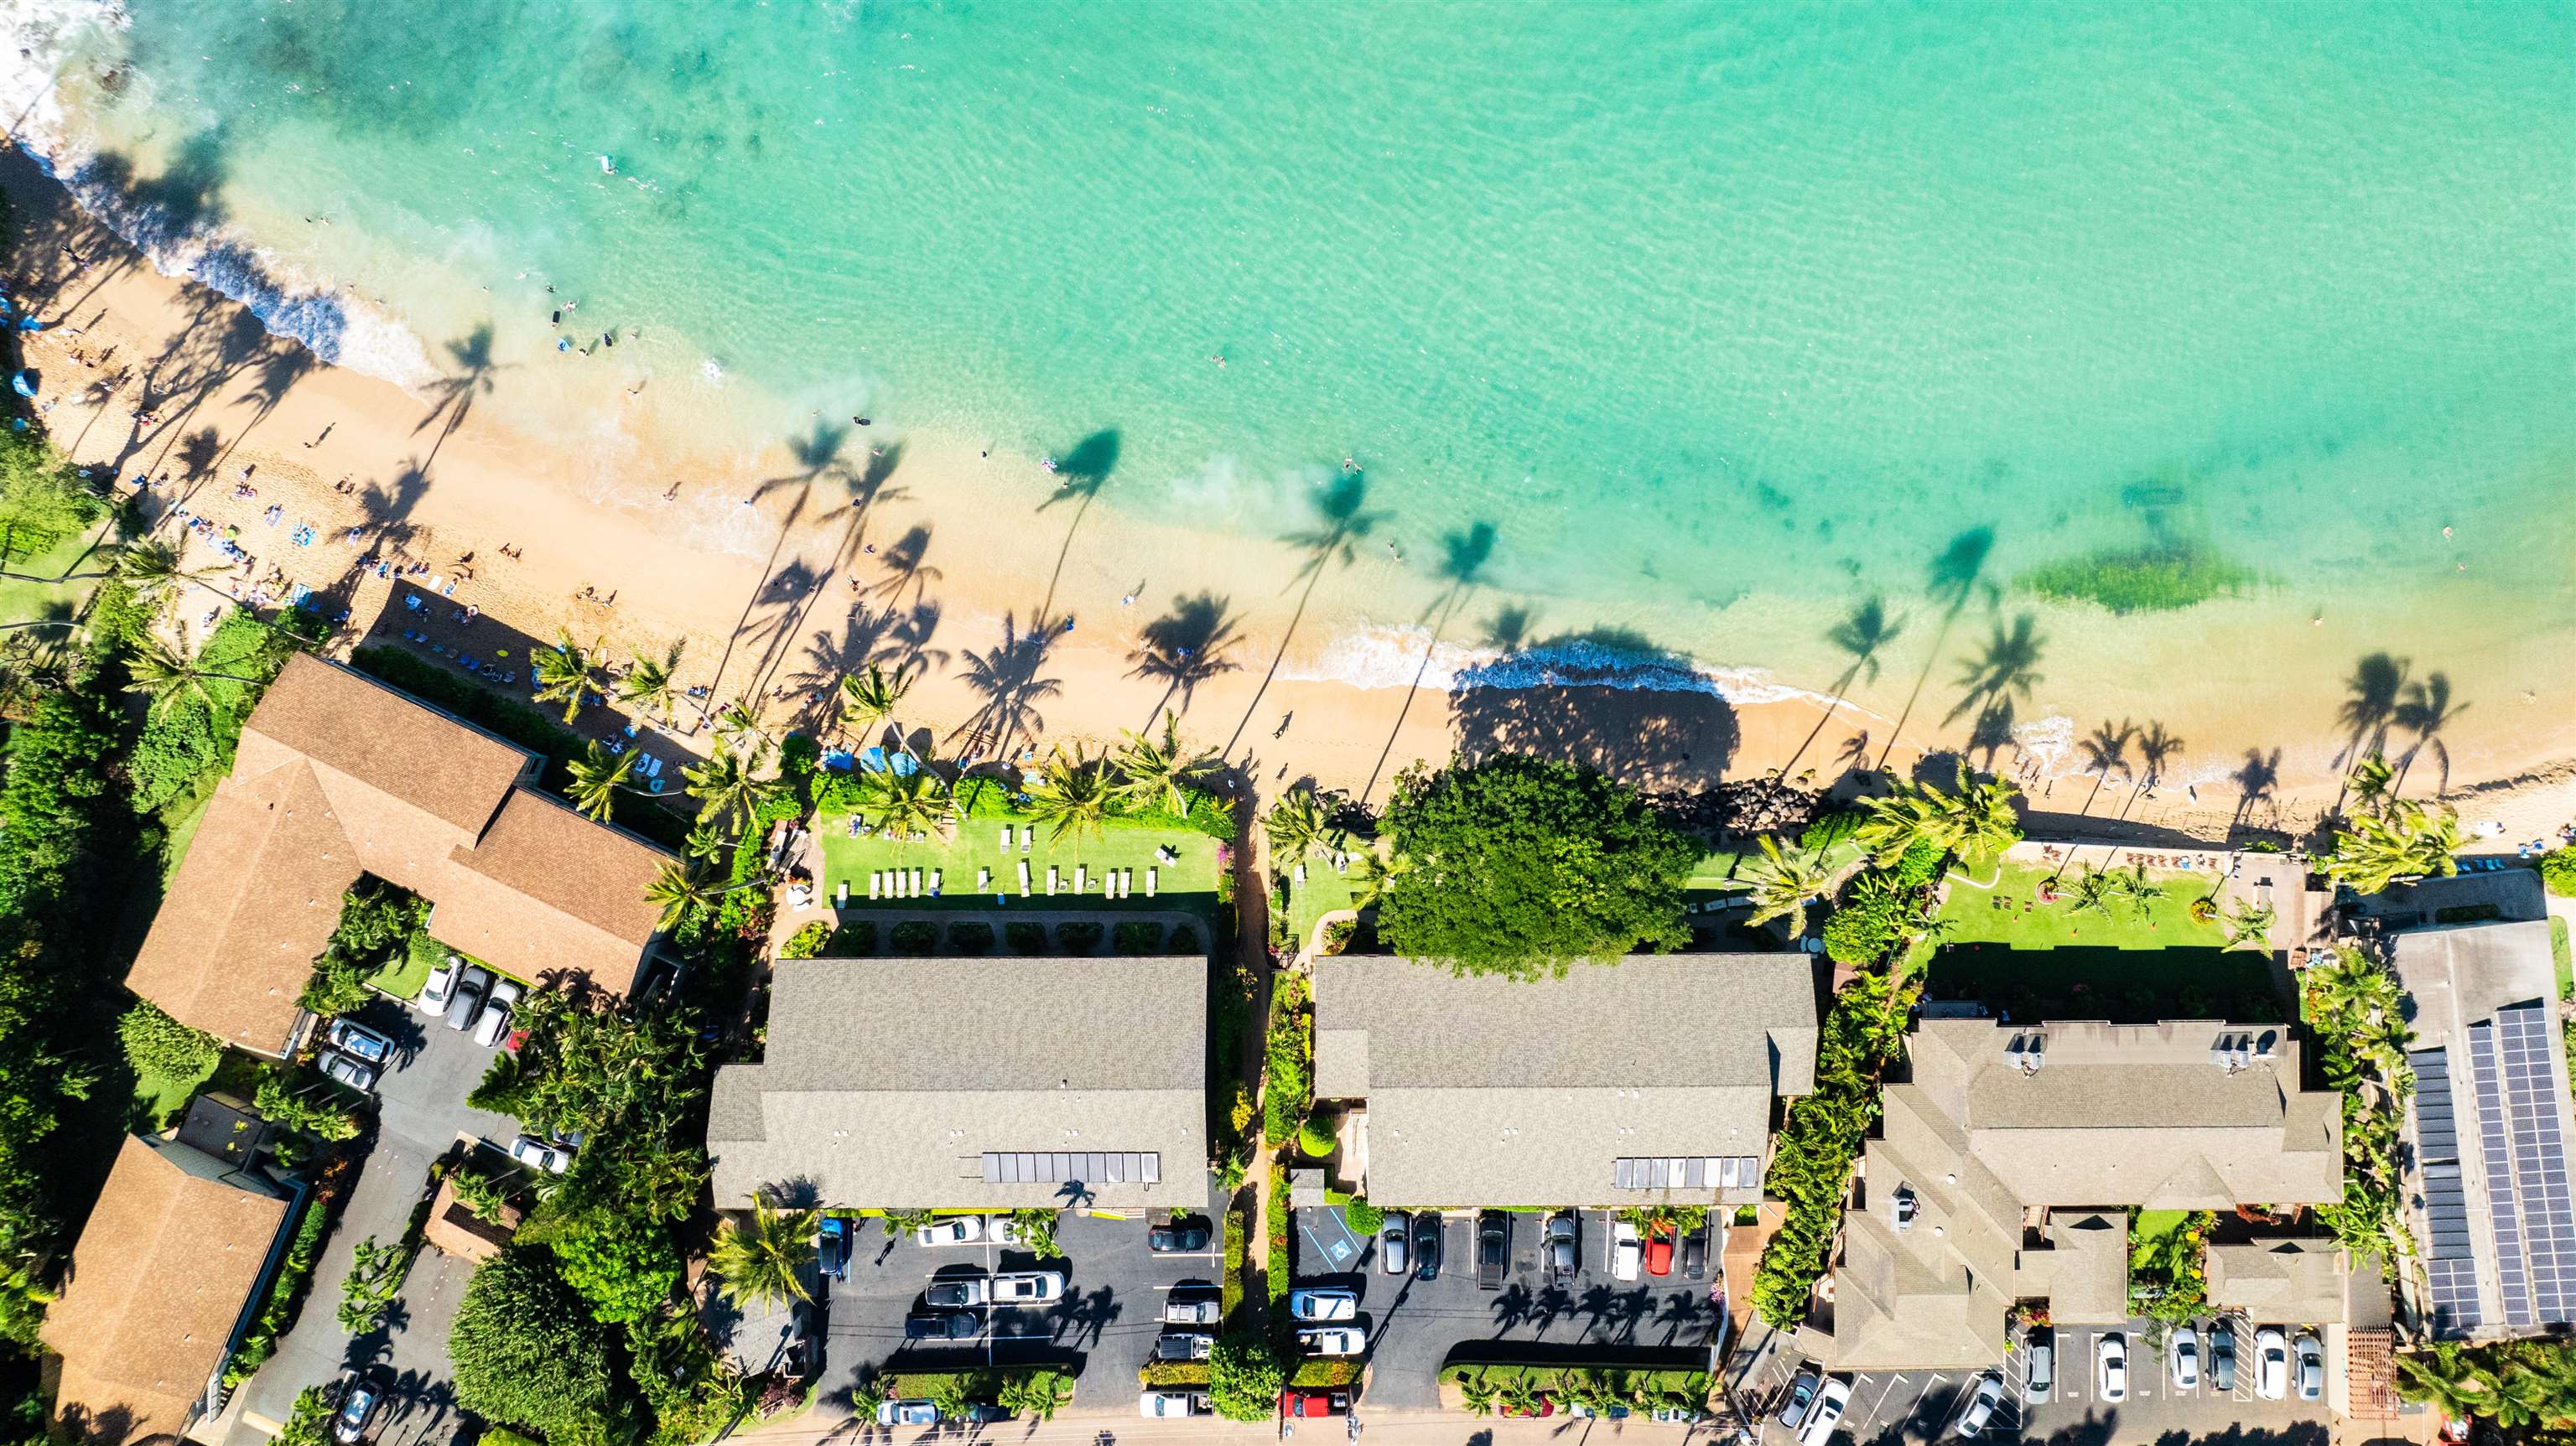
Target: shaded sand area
[{"x": 850, "y": 546}]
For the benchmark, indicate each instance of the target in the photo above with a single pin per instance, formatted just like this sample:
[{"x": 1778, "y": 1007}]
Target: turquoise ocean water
[{"x": 1694, "y": 304}]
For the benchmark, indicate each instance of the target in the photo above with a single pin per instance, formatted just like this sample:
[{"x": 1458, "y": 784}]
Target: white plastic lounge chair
[
  {"x": 876, "y": 882},
  {"x": 841, "y": 899},
  {"x": 1153, "y": 879},
  {"x": 1051, "y": 884},
  {"x": 1082, "y": 878},
  {"x": 1006, "y": 838},
  {"x": 983, "y": 881},
  {"x": 1028, "y": 836},
  {"x": 1024, "y": 878}
]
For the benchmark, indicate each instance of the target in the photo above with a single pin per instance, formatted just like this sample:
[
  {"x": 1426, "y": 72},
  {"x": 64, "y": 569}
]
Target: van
[
  {"x": 1826, "y": 1414},
  {"x": 2041, "y": 1377}
]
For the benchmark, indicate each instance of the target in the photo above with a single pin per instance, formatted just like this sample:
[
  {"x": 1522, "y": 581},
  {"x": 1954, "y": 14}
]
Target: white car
[
  {"x": 1028, "y": 1287},
  {"x": 959, "y": 1292},
  {"x": 2311, "y": 1375},
  {"x": 1826, "y": 1414},
  {"x": 1982, "y": 1401},
  {"x": 537, "y": 1154},
  {"x": 2111, "y": 1363},
  {"x": 907, "y": 1413},
  {"x": 1323, "y": 1305},
  {"x": 1334, "y": 1341},
  {"x": 1625, "y": 1251},
  {"x": 2271, "y": 1363},
  {"x": 496, "y": 1013},
  {"x": 1000, "y": 1230},
  {"x": 2182, "y": 1358},
  {"x": 441, "y": 985},
  {"x": 951, "y": 1230},
  {"x": 1171, "y": 1403}
]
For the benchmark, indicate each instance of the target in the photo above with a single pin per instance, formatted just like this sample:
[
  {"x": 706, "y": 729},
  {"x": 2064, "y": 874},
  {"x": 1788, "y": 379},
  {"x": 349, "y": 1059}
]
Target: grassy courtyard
[
  {"x": 2132, "y": 965},
  {"x": 974, "y": 852}
]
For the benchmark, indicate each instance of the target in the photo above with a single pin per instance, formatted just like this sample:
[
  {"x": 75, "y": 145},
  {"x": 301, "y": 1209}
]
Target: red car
[
  {"x": 1659, "y": 1255},
  {"x": 1295, "y": 1404},
  {"x": 1546, "y": 1407}
]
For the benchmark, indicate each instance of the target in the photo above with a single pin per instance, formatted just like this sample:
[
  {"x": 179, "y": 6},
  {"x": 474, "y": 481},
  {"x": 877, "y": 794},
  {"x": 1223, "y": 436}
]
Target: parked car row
[
  {"x": 1182, "y": 1236},
  {"x": 1013, "y": 1287},
  {"x": 470, "y": 997},
  {"x": 357, "y": 1054}
]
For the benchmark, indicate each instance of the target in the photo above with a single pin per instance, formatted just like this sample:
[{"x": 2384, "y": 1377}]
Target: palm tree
[
  {"x": 1477, "y": 1393},
  {"x": 1295, "y": 826},
  {"x": 649, "y": 683},
  {"x": 1072, "y": 792},
  {"x": 708, "y": 840},
  {"x": 1976, "y": 821},
  {"x": 566, "y": 674},
  {"x": 728, "y": 783},
  {"x": 2133, "y": 886},
  {"x": 2091, "y": 890},
  {"x": 1521, "y": 1394},
  {"x": 2371, "y": 783},
  {"x": 760, "y": 1259},
  {"x": 596, "y": 777},
  {"x": 2248, "y": 923},
  {"x": 869, "y": 699},
  {"x": 681, "y": 890},
  {"x": 1784, "y": 880},
  {"x": 2404, "y": 842},
  {"x": 909, "y": 803},
  {"x": 1372, "y": 873},
  {"x": 737, "y": 723},
  {"x": 150, "y": 567},
  {"x": 1861, "y": 637},
  {"x": 169, "y": 678},
  {"x": 1162, "y": 770}
]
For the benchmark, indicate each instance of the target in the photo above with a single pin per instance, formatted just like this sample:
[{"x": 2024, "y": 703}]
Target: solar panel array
[
  {"x": 1040, "y": 1167},
  {"x": 2495, "y": 1149},
  {"x": 2526, "y": 1046},
  {"x": 2450, "y": 1260},
  {"x": 1686, "y": 1172}
]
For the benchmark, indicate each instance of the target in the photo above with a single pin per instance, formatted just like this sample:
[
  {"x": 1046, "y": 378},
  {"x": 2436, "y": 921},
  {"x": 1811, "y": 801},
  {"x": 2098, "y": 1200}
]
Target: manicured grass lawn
[
  {"x": 2009, "y": 913},
  {"x": 1187, "y": 882},
  {"x": 1322, "y": 893},
  {"x": 410, "y": 969},
  {"x": 2152, "y": 1230},
  {"x": 27, "y": 601},
  {"x": 2559, "y": 954},
  {"x": 162, "y": 1097}
]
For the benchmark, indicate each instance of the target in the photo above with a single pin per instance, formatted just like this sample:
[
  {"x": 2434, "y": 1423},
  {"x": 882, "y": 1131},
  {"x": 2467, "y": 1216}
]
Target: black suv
[{"x": 938, "y": 1325}]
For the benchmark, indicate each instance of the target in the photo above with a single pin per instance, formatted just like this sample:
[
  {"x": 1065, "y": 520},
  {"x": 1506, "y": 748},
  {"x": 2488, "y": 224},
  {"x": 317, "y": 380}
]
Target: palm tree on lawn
[
  {"x": 1372, "y": 873},
  {"x": 1976, "y": 821},
  {"x": 729, "y": 783},
  {"x": 1295, "y": 826},
  {"x": 1784, "y": 880},
  {"x": 566, "y": 674},
  {"x": 1162, "y": 770},
  {"x": 151, "y": 568},
  {"x": 869, "y": 699},
  {"x": 650, "y": 683},
  {"x": 681, "y": 890},
  {"x": 1072, "y": 793},
  {"x": 1861, "y": 637},
  {"x": 2133, "y": 886},
  {"x": 909, "y": 803},
  {"x": 2091, "y": 890},
  {"x": 760, "y": 1259},
  {"x": 1476, "y": 1393},
  {"x": 168, "y": 678},
  {"x": 596, "y": 777}
]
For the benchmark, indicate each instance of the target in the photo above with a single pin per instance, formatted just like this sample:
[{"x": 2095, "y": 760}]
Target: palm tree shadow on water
[
  {"x": 1080, "y": 475},
  {"x": 1953, "y": 582},
  {"x": 1343, "y": 521},
  {"x": 1463, "y": 559}
]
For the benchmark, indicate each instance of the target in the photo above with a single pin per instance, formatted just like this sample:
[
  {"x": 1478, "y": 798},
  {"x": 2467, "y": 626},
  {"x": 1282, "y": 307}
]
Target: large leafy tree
[
  {"x": 528, "y": 1352},
  {"x": 1519, "y": 866},
  {"x": 1245, "y": 1376},
  {"x": 624, "y": 1269}
]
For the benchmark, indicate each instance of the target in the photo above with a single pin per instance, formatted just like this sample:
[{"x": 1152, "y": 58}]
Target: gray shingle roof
[
  {"x": 1490, "y": 1091},
  {"x": 886, "y": 1080}
]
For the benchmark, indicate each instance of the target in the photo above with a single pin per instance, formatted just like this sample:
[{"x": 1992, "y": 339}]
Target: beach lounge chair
[
  {"x": 1051, "y": 877},
  {"x": 1126, "y": 883},
  {"x": 1028, "y": 836},
  {"x": 1301, "y": 871},
  {"x": 841, "y": 898},
  {"x": 983, "y": 881},
  {"x": 1024, "y": 878},
  {"x": 936, "y": 875},
  {"x": 654, "y": 784},
  {"x": 1153, "y": 878},
  {"x": 916, "y": 883},
  {"x": 1082, "y": 878},
  {"x": 1006, "y": 838},
  {"x": 876, "y": 882}
]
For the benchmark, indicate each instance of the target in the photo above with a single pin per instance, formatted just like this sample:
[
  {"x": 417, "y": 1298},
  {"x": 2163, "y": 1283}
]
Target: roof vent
[{"x": 2264, "y": 1043}]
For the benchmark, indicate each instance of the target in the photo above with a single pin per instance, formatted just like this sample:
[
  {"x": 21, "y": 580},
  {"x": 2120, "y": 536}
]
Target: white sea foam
[{"x": 1393, "y": 656}]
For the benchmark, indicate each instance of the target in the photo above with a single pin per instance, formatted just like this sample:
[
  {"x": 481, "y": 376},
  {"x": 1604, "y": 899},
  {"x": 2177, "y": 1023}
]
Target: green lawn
[
  {"x": 1323, "y": 892},
  {"x": 2559, "y": 953},
  {"x": 2009, "y": 913},
  {"x": 1187, "y": 881},
  {"x": 22, "y": 601},
  {"x": 2034, "y": 960},
  {"x": 2152, "y": 1230},
  {"x": 410, "y": 970},
  {"x": 161, "y": 1097}
]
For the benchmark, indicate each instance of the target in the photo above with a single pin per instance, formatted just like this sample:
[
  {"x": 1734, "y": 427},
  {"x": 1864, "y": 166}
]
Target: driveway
[
  {"x": 1888, "y": 1407},
  {"x": 1416, "y": 1326},
  {"x": 1103, "y": 1329},
  {"x": 420, "y": 1112}
]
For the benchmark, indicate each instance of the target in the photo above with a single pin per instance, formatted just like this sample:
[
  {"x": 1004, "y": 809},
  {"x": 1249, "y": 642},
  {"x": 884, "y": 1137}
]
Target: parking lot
[
  {"x": 1415, "y": 1326},
  {"x": 1103, "y": 1328},
  {"x": 1893, "y": 1406},
  {"x": 420, "y": 1112}
]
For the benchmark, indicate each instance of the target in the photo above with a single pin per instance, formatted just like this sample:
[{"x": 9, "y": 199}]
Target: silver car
[
  {"x": 350, "y": 1072},
  {"x": 467, "y": 1006},
  {"x": 496, "y": 1013}
]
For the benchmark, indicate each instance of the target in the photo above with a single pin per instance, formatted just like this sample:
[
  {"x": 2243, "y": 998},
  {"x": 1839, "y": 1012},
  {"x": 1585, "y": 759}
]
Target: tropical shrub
[
  {"x": 1362, "y": 1217},
  {"x": 1315, "y": 1138},
  {"x": 1138, "y": 937},
  {"x": 2558, "y": 871},
  {"x": 529, "y": 1353},
  {"x": 1811, "y": 1169},
  {"x": 1025, "y": 937},
  {"x": 1245, "y": 1377},
  {"x": 1520, "y": 866},
  {"x": 1184, "y": 940},
  {"x": 377, "y": 921},
  {"x": 1288, "y": 1074},
  {"x": 854, "y": 937},
  {"x": 1077, "y": 937},
  {"x": 375, "y": 1277},
  {"x": 160, "y": 1045},
  {"x": 2356, "y": 1014},
  {"x": 970, "y": 937},
  {"x": 623, "y": 1269},
  {"x": 915, "y": 936},
  {"x": 807, "y": 942}
]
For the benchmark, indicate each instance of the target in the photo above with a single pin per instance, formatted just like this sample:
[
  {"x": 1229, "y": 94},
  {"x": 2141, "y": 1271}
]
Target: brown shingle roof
[
  {"x": 356, "y": 726},
  {"x": 158, "y": 1282},
  {"x": 547, "y": 890},
  {"x": 339, "y": 775}
]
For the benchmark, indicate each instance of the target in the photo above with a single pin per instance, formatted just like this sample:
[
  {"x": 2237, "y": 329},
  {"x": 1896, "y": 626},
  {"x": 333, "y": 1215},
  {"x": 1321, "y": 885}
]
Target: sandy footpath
[{"x": 893, "y": 549}]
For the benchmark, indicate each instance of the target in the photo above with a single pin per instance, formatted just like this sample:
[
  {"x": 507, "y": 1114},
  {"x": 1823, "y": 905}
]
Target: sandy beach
[{"x": 860, "y": 546}]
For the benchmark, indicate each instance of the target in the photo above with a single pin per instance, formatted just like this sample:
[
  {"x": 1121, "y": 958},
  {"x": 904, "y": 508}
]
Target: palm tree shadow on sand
[
  {"x": 1184, "y": 648},
  {"x": 1343, "y": 521}
]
